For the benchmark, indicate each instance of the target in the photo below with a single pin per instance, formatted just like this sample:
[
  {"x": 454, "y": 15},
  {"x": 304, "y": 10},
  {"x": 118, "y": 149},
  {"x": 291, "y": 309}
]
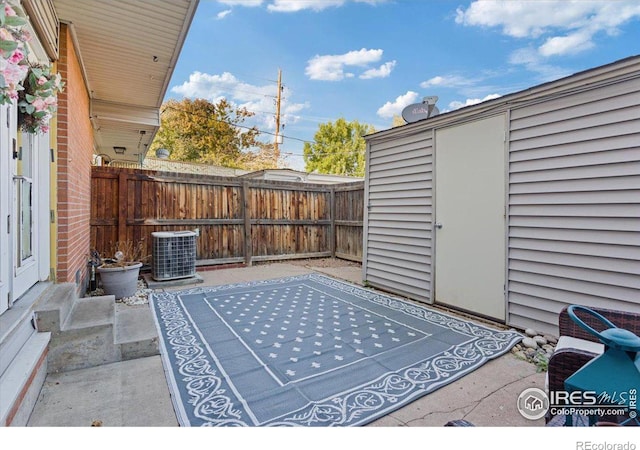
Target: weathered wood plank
[
  {"x": 122, "y": 206},
  {"x": 248, "y": 244}
]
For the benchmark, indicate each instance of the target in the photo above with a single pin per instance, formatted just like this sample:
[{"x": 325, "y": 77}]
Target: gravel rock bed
[
  {"x": 141, "y": 297},
  {"x": 536, "y": 348}
]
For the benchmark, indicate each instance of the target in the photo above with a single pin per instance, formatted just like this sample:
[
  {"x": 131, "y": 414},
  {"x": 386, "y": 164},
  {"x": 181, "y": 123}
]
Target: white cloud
[
  {"x": 332, "y": 67},
  {"x": 222, "y": 14},
  {"x": 571, "y": 25},
  {"x": 249, "y": 3},
  {"x": 255, "y": 98},
  {"x": 569, "y": 44},
  {"x": 518, "y": 19},
  {"x": 447, "y": 81},
  {"x": 531, "y": 59},
  {"x": 297, "y": 5},
  {"x": 381, "y": 72},
  {"x": 390, "y": 109},
  {"x": 472, "y": 101}
]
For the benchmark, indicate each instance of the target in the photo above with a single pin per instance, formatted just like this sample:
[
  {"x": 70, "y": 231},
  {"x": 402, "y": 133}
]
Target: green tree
[
  {"x": 398, "y": 121},
  {"x": 338, "y": 148},
  {"x": 201, "y": 131}
]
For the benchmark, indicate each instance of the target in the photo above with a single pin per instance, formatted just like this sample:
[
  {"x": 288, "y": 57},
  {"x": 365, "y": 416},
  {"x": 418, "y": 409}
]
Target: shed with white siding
[{"x": 515, "y": 207}]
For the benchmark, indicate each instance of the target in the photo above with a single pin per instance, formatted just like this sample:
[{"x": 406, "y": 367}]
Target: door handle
[{"x": 438, "y": 225}]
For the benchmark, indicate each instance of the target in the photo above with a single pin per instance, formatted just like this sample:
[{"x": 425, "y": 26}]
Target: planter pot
[{"x": 120, "y": 281}]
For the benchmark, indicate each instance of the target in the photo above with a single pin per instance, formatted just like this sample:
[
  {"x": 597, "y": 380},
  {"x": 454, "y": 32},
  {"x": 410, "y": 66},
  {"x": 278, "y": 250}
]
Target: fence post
[
  {"x": 123, "y": 202},
  {"x": 246, "y": 202},
  {"x": 332, "y": 229}
]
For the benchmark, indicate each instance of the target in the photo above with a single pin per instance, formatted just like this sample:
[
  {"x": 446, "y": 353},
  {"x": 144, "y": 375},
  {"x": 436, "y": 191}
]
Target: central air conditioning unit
[{"x": 174, "y": 255}]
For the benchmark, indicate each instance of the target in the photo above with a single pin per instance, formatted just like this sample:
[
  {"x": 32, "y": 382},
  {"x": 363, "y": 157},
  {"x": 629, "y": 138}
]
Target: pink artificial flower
[
  {"x": 16, "y": 57},
  {"x": 51, "y": 101},
  {"x": 44, "y": 128},
  {"x": 42, "y": 80},
  {"x": 8, "y": 10},
  {"x": 39, "y": 104},
  {"x": 14, "y": 73}
]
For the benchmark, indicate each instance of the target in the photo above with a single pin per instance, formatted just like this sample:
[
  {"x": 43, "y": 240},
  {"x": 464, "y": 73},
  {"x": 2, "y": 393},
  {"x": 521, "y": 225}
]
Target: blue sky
[{"x": 366, "y": 60}]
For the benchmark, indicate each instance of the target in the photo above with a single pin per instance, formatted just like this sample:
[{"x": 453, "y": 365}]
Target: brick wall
[{"x": 75, "y": 150}]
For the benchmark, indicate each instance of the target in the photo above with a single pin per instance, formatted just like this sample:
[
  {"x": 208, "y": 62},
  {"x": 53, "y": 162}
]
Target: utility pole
[{"x": 278, "y": 99}]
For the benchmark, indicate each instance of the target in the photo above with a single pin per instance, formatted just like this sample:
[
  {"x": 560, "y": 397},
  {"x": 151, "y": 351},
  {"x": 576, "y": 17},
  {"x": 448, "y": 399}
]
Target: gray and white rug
[{"x": 309, "y": 351}]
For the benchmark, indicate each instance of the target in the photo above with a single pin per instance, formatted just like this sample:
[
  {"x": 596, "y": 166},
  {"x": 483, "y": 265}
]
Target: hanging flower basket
[
  {"x": 38, "y": 101},
  {"x": 13, "y": 51}
]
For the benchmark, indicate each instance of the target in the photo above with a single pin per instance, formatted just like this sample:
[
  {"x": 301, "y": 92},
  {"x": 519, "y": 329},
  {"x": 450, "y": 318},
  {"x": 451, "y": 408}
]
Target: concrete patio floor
[{"x": 135, "y": 393}]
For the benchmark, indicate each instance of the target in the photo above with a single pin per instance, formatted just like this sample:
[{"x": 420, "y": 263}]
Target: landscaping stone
[
  {"x": 540, "y": 340},
  {"x": 520, "y": 354},
  {"x": 536, "y": 348}
]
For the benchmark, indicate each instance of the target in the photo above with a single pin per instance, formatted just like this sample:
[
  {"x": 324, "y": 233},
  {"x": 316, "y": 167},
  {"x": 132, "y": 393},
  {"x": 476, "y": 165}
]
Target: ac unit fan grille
[{"x": 174, "y": 255}]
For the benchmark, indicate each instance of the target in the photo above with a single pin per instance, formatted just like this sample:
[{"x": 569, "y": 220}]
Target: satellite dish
[
  {"x": 162, "y": 153},
  {"x": 420, "y": 111}
]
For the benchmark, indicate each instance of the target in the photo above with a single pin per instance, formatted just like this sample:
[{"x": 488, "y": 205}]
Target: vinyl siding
[
  {"x": 573, "y": 197},
  {"x": 574, "y": 204},
  {"x": 398, "y": 218}
]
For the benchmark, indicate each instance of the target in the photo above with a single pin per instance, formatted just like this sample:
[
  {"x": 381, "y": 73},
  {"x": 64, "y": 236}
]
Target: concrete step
[
  {"x": 55, "y": 306},
  {"x": 90, "y": 312},
  {"x": 91, "y": 331},
  {"x": 97, "y": 331},
  {"x": 21, "y": 383},
  {"x": 17, "y": 324},
  {"x": 23, "y": 362},
  {"x": 135, "y": 331},
  {"x": 86, "y": 337}
]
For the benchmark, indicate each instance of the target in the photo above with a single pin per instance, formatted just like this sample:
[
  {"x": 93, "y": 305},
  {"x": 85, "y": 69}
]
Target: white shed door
[{"x": 470, "y": 218}]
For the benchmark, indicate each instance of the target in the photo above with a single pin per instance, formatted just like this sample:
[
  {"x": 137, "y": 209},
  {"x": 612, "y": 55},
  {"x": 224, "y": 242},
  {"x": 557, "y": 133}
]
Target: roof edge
[{"x": 578, "y": 79}]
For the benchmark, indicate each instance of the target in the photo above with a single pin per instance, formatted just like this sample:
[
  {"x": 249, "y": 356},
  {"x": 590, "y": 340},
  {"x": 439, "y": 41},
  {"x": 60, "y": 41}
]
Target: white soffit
[{"x": 128, "y": 49}]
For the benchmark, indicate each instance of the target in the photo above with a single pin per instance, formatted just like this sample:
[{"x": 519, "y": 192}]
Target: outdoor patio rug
[{"x": 308, "y": 351}]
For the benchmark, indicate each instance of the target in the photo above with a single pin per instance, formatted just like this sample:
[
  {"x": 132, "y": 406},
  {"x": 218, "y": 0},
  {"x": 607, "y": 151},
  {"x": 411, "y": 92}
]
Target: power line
[
  {"x": 254, "y": 76},
  {"x": 252, "y": 92}
]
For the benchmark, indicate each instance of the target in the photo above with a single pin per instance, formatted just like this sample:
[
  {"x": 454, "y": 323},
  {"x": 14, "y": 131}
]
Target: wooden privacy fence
[{"x": 238, "y": 220}]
